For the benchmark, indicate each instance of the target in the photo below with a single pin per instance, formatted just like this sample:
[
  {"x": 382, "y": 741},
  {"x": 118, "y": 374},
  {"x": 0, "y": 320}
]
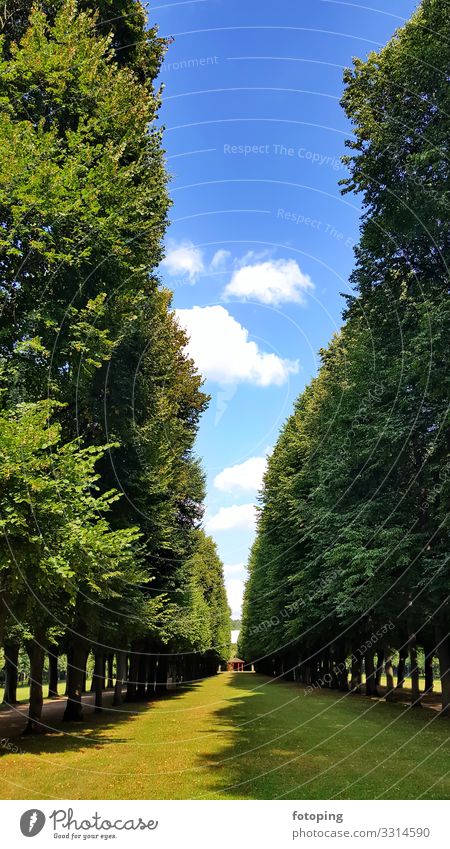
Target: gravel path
[{"x": 14, "y": 719}]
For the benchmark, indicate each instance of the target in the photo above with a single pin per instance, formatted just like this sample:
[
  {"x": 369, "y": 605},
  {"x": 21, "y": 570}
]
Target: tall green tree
[
  {"x": 398, "y": 102},
  {"x": 57, "y": 544},
  {"x": 354, "y": 520},
  {"x": 84, "y": 204}
]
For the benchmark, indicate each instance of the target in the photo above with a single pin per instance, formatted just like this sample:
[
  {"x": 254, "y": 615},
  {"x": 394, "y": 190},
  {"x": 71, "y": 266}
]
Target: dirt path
[{"x": 14, "y": 719}]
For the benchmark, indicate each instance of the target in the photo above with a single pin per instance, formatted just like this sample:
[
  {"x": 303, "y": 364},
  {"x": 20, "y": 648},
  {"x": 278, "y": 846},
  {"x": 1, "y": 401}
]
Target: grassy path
[
  {"x": 238, "y": 736},
  {"x": 23, "y": 692}
]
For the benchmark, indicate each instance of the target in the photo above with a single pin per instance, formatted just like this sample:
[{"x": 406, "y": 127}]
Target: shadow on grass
[
  {"x": 234, "y": 768},
  {"x": 93, "y": 732},
  {"x": 279, "y": 743}
]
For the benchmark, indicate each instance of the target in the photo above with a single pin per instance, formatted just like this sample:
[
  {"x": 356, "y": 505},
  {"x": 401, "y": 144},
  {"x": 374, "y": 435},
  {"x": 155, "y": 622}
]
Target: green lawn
[
  {"x": 23, "y": 693},
  {"x": 436, "y": 684},
  {"x": 239, "y": 736}
]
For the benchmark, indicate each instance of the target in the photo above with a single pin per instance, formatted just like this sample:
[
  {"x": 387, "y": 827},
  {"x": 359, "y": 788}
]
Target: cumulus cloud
[
  {"x": 219, "y": 260},
  {"x": 244, "y": 477},
  {"x": 234, "y": 569},
  {"x": 222, "y": 351},
  {"x": 238, "y": 517},
  {"x": 235, "y": 593},
  {"x": 272, "y": 282},
  {"x": 185, "y": 259},
  {"x": 252, "y": 257}
]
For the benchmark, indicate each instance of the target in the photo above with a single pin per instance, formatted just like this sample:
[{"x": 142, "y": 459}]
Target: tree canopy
[
  {"x": 101, "y": 490},
  {"x": 353, "y": 529}
]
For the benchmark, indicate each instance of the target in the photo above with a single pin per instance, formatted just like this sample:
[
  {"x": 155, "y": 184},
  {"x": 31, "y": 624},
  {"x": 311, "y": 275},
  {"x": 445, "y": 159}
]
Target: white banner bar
[{"x": 225, "y": 824}]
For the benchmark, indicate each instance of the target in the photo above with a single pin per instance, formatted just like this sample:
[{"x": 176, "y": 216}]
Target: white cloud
[
  {"x": 221, "y": 349},
  {"x": 235, "y": 593},
  {"x": 238, "y": 517},
  {"x": 273, "y": 282},
  {"x": 244, "y": 477},
  {"x": 219, "y": 260},
  {"x": 251, "y": 256},
  {"x": 235, "y": 569},
  {"x": 183, "y": 258}
]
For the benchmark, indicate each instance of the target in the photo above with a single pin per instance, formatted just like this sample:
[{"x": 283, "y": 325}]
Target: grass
[
  {"x": 239, "y": 736},
  {"x": 436, "y": 683},
  {"x": 23, "y": 692}
]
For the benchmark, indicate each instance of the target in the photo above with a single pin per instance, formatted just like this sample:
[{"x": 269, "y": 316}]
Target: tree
[
  {"x": 198, "y": 632},
  {"x": 135, "y": 45},
  {"x": 84, "y": 204},
  {"x": 398, "y": 103},
  {"x": 353, "y": 532},
  {"x": 58, "y": 544},
  {"x": 82, "y": 200}
]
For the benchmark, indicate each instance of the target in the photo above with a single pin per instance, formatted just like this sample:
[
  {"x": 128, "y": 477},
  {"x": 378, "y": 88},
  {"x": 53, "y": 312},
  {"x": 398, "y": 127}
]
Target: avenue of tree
[
  {"x": 100, "y": 489},
  {"x": 350, "y": 563}
]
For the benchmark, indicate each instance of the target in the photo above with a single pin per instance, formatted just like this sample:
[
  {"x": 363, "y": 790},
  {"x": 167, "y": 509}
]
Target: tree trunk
[
  {"x": 120, "y": 676},
  {"x": 343, "y": 678},
  {"x": 443, "y": 653},
  {"x": 161, "y": 674},
  {"x": 334, "y": 684},
  {"x": 379, "y": 668},
  {"x": 403, "y": 654},
  {"x": 52, "y": 674},
  {"x": 151, "y": 677},
  {"x": 142, "y": 677},
  {"x": 371, "y": 682},
  {"x": 415, "y": 684},
  {"x": 328, "y": 671},
  {"x": 75, "y": 675},
  {"x": 355, "y": 681},
  {"x": 340, "y": 663},
  {"x": 11, "y": 661},
  {"x": 428, "y": 670},
  {"x": 92, "y": 687},
  {"x": 98, "y": 680},
  {"x": 389, "y": 672},
  {"x": 4, "y": 610},
  {"x": 109, "y": 666},
  {"x": 36, "y": 654},
  {"x": 133, "y": 675},
  {"x": 69, "y": 655},
  {"x": 87, "y": 652}
]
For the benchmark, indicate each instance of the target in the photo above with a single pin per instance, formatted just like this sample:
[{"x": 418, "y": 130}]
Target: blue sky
[{"x": 260, "y": 245}]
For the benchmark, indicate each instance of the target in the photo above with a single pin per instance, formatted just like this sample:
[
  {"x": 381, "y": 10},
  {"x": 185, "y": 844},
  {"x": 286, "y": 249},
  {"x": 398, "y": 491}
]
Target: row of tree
[
  {"x": 100, "y": 489},
  {"x": 351, "y": 558}
]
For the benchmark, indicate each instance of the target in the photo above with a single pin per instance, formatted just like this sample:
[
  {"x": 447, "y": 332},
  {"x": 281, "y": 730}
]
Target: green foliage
[
  {"x": 353, "y": 531},
  {"x": 57, "y": 540},
  {"x": 200, "y": 621},
  {"x": 102, "y": 493},
  {"x": 82, "y": 196},
  {"x": 124, "y": 21}
]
